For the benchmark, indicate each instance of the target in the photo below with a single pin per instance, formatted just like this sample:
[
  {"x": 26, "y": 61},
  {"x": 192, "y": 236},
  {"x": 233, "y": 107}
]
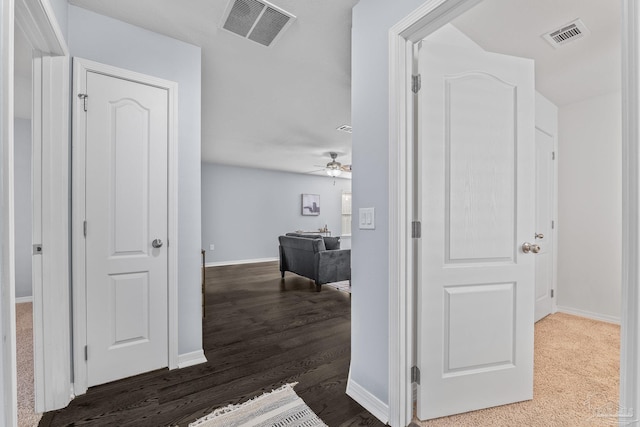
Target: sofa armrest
[{"x": 332, "y": 266}]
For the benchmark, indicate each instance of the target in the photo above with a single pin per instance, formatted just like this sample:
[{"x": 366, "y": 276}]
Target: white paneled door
[
  {"x": 126, "y": 229},
  {"x": 477, "y": 195},
  {"x": 544, "y": 234}
]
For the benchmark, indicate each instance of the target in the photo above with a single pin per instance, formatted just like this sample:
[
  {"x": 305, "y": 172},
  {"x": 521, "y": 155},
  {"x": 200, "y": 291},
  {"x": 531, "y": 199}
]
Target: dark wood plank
[{"x": 259, "y": 333}]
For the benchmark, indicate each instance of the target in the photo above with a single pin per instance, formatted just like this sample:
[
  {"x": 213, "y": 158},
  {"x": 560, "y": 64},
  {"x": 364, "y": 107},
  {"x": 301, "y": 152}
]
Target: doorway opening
[{"x": 411, "y": 30}]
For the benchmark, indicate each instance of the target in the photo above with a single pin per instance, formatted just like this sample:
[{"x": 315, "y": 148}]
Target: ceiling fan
[{"x": 335, "y": 168}]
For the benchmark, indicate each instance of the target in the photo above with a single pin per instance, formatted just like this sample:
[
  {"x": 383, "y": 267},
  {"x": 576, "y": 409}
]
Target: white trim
[
  {"x": 38, "y": 22},
  {"x": 630, "y": 318},
  {"x": 78, "y": 270},
  {"x": 50, "y": 136},
  {"x": 52, "y": 341},
  {"x": 80, "y": 69},
  {"x": 22, "y": 300},
  {"x": 588, "y": 314},
  {"x": 368, "y": 401},
  {"x": 8, "y": 408},
  {"x": 400, "y": 263},
  {"x": 190, "y": 359},
  {"x": 239, "y": 262},
  {"x": 36, "y": 230},
  {"x": 430, "y": 16}
]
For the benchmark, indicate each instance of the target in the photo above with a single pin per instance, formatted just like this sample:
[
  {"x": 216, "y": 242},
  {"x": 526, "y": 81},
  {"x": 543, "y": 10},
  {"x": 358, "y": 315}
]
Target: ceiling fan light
[{"x": 333, "y": 172}]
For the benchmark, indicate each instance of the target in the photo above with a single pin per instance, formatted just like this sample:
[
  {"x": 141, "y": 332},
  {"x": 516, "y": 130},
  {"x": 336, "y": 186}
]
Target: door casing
[
  {"x": 50, "y": 104},
  {"x": 402, "y": 37},
  {"x": 80, "y": 68}
]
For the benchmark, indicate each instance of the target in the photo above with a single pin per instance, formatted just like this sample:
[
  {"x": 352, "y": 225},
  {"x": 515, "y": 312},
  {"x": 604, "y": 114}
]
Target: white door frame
[
  {"x": 50, "y": 97},
  {"x": 8, "y": 408},
  {"x": 80, "y": 68},
  {"x": 424, "y": 20}
]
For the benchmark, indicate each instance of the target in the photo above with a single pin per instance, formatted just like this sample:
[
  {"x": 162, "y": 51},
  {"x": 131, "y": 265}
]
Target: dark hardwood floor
[{"x": 259, "y": 333}]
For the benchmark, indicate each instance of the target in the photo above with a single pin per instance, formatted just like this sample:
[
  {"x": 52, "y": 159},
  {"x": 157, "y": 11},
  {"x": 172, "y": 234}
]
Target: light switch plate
[{"x": 367, "y": 218}]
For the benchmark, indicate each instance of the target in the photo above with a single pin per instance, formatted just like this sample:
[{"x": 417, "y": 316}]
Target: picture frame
[{"x": 310, "y": 204}]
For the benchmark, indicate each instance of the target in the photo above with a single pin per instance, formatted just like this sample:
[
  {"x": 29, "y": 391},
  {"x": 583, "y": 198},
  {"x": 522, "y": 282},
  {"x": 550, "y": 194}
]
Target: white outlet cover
[{"x": 367, "y": 219}]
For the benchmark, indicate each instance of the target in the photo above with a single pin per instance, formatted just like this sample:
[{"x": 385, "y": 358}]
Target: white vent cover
[
  {"x": 567, "y": 33},
  {"x": 255, "y": 20}
]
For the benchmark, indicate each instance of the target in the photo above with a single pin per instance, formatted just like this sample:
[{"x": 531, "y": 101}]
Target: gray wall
[
  {"x": 590, "y": 206},
  {"x": 372, "y": 20},
  {"x": 96, "y": 37},
  {"x": 22, "y": 209},
  {"x": 244, "y": 210}
]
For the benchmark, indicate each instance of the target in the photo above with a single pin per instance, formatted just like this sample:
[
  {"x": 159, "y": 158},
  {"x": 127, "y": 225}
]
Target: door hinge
[
  {"x": 37, "y": 249},
  {"x": 84, "y": 97},
  {"x": 553, "y": 225},
  {"x": 84, "y": 228},
  {"x": 552, "y": 293},
  {"x": 86, "y": 353},
  {"x": 415, "y": 374},
  {"x": 553, "y": 155},
  {"x": 416, "y": 229},
  {"x": 416, "y": 83}
]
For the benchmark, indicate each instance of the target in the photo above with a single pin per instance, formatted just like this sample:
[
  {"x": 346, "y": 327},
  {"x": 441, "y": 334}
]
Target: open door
[{"x": 477, "y": 195}]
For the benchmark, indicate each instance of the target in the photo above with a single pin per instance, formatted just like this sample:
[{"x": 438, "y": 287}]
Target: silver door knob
[
  {"x": 157, "y": 243},
  {"x": 528, "y": 247},
  {"x": 539, "y": 236},
  {"x": 535, "y": 249}
]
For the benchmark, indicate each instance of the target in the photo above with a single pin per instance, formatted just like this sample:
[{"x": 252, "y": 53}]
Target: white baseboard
[
  {"x": 589, "y": 315},
  {"x": 20, "y": 300},
  {"x": 190, "y": 359},
  {"x": 238, "y": 262},
  {"x": 368, "y": 401}
]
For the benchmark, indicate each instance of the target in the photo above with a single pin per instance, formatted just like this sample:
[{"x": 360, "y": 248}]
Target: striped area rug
[{"x": 279, "y": 408}]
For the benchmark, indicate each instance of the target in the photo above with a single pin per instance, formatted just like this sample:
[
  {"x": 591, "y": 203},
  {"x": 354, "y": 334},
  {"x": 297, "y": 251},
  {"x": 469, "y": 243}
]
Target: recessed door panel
[
  {"x": 480, "y": 113},
  {"x": 479, "y": 328},
  {"x": 129, "y": 121},
  {"x": 129, "y": 306}
]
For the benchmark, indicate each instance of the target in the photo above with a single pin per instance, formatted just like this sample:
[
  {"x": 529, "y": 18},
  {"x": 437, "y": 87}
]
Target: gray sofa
[{"x": 308, "y": 256}]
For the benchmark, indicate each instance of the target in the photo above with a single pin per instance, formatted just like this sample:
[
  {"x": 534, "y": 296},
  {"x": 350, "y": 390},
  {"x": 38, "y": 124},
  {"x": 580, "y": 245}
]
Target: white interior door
[
  {"x": 126, "y": 211},
  {"x": 477, "y": 190},
  {"x": 544, "y": 216}
]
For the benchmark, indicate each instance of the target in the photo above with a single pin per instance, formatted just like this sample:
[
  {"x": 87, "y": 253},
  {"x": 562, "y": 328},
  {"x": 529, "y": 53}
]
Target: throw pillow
[{"x": 332, "y": 243}]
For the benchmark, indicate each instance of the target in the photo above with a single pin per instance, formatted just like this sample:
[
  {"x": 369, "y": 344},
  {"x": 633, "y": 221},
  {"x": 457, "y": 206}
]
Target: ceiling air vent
[
  {"x": 568, "y": 33},
  {"x": 255, "y": 20}
]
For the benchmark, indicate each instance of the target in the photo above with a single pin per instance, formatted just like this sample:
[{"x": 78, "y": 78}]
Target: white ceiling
[
  {"x": 588, "y": 67},
  {"x": 278, "y": 107}
]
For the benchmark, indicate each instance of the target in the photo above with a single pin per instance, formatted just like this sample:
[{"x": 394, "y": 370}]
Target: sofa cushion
[{"x": 331, "y": 243}]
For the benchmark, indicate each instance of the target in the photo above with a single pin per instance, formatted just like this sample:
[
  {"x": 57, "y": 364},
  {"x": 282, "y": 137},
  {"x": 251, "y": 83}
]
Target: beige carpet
[
  {"x": 24, "y": 343},
  {"x": 576, "y": 379}
]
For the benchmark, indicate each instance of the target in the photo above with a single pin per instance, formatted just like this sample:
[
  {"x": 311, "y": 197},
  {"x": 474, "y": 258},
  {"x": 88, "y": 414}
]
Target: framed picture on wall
[{"x": 310, "y": 204}]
